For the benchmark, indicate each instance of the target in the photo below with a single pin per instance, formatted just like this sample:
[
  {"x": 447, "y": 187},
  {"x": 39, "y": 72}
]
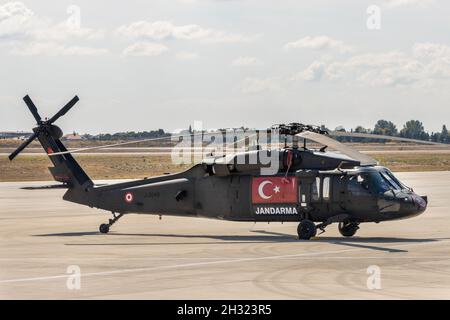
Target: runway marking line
[{"x": 187, "y": 265}]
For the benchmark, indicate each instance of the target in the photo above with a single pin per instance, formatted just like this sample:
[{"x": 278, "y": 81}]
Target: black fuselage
[{"x": 361, "y": 195}]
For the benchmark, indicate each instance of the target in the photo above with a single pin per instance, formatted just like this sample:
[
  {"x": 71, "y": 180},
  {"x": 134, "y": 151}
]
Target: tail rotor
[{"x": 43, "y": 125}]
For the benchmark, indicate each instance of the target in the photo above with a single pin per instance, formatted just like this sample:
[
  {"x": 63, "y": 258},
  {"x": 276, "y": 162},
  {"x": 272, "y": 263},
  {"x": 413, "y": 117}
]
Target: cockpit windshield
[
  {"x": 378, "y": 184},
  {"x": 397, "y": 184},
  {"x": 391, "y": 181},
  {"x": 377, "y": 181}
]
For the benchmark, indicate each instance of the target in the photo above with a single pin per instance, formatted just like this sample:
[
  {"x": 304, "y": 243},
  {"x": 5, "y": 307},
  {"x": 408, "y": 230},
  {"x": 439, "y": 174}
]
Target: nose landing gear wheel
[
  {"x": 306, "y": 229},
  {"x": 348, "y": 229}
]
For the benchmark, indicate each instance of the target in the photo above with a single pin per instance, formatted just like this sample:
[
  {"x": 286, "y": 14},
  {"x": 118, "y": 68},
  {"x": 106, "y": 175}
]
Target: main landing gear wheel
[
  {"x": 348, "y": 229},
  {"x": 306, "y": 229}
]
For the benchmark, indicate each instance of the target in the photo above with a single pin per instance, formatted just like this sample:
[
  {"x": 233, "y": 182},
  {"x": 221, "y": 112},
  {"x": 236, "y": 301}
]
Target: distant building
[
  {"x": 72, "y": 137},
  {"x": 21, "y": 135}
]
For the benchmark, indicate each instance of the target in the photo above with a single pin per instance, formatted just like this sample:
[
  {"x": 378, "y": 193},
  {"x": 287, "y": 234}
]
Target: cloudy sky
[{"x": 141, "y": 65}]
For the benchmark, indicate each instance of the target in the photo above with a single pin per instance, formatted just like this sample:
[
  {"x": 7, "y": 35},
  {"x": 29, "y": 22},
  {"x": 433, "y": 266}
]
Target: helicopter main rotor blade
[
  {"x": 148, "y": 140},
  {"x": 225, "y": 149},
  {"x": 32, "y": 108},
  {"x": 364, "y": 160},
  {"x": 107, "y": 146},
  {"x": 128, "y": 143},
  {"x": 64, "y": 110},
  {"x": 381, "y": 137},
  {"x": 22, "y": 146}
]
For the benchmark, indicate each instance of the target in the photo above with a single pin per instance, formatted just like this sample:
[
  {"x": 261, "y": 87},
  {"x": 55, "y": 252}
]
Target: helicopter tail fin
[{"x": 65, "y": 168}]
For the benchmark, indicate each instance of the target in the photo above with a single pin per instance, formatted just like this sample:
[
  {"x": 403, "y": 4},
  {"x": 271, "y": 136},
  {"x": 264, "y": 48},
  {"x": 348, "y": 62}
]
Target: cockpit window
[
  {"x": 390, "y": 180},
  {"x": 372, "y": 181},
  {"x": 363, "y": 180},
  {"x": 393, "y": 178},
  {"x": 378, "y": 181}
]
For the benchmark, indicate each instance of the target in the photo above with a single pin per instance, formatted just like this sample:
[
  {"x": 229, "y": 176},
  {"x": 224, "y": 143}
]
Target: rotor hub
[{"x": 291, "y": 129}]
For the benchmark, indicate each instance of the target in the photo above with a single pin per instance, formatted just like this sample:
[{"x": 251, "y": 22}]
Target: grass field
[
  {"x": 414, "y": 162},
  {"x": 34, "y": 168}
]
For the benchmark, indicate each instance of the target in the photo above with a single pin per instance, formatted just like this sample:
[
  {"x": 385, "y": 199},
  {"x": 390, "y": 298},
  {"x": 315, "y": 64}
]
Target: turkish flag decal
[{"x": 274, "y": 190}]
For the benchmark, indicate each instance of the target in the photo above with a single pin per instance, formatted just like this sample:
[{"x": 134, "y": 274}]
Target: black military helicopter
[{"x": 310, "y": 185}]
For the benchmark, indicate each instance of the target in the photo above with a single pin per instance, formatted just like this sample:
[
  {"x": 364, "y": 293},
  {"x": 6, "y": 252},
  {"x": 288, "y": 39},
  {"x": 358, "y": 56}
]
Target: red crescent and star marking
[{"x": 274, "y": 190}]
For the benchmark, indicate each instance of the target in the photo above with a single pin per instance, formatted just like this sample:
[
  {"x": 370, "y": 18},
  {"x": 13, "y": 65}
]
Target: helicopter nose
[
  {"x": 421, "y": 202},
  {"x": 401, "y": 205},
  {"x": 415, "y": 205}
]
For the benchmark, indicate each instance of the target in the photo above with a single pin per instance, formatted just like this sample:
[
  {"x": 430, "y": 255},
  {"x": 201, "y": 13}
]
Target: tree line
[
  {"x": 412, "y": 129},
  {"x": 129, "y": 135}
]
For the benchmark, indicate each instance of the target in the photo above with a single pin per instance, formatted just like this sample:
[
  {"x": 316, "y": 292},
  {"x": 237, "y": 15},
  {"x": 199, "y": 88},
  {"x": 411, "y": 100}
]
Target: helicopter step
[{"x": 104, "y": 227}]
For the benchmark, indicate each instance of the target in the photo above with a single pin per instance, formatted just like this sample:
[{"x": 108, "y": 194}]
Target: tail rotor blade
[
  {"x": 22, "y": 146},
  {"x": 64, "y": 110},
  {"x": 32, "y": 108}
]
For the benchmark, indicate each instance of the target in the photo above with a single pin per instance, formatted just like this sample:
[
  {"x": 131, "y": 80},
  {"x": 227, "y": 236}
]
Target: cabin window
[
  {"x": 326, "y": 188},
  {"x": 303, "y": 200},
  {"x": 315, "y": 190},
  {"x": 302, "y": 196}
]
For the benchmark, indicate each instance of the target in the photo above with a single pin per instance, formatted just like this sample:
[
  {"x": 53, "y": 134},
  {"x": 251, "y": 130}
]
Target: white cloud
[
  {"x": 149, "y": 49},
  {"x": 15, "y": 18},
  {"x": 160, "y": 30},
  {"x": 142, "y": 29},
  {"x": 25, "y": 33},
  {"x": 12, "y": 10},
  {"x": 314, "y": 72},
  {"x": 18, "y": 22},
  {"x": 405, "y": 3},
  {"x": 256, "y": 85},
  {"x": 63, "y": 31},
  {"x": 436, "y": 56},
  {"x": 184, "y": 55},
  {"x": 426, "y": 63},
  {"x": 246, "y": 62},
  {"x": 431, "y": 50},
  {"x": 319, "y": 43},
  {"x": 54, "y": 49}
]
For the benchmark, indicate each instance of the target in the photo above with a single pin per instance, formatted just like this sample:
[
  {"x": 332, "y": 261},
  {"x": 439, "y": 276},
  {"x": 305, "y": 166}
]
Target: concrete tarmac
[{"x": 45, "y": 240}]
